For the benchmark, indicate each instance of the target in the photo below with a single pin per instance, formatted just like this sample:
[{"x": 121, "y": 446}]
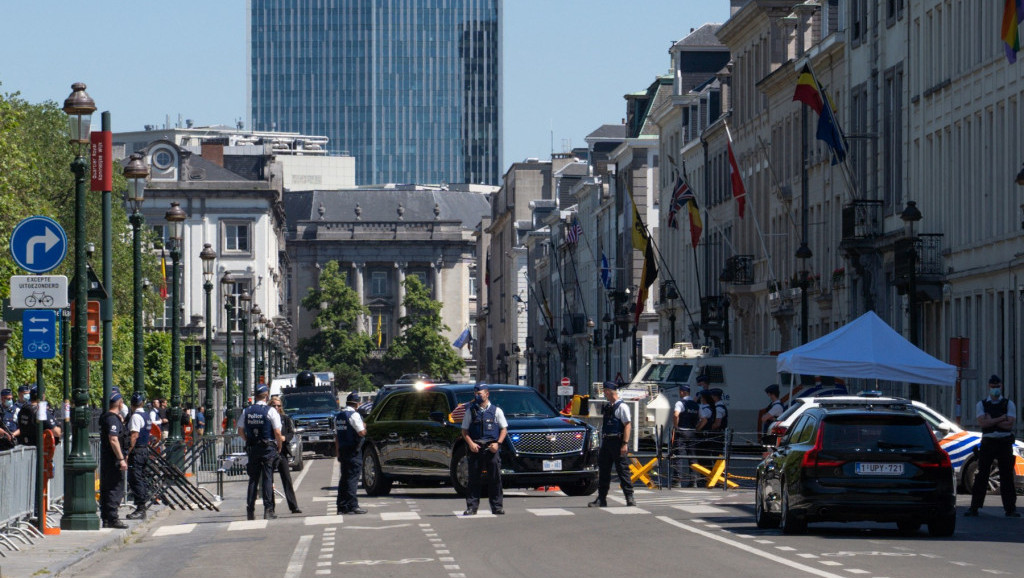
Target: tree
[
  {"x": 339, "y": 344},
  {"x": 421, "y": 348}
]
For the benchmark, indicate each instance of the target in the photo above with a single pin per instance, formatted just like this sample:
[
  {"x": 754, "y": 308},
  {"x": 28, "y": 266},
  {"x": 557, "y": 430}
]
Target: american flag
[
  {"x": 680, "y": 195},
  {"x": 574, "y": 232}
]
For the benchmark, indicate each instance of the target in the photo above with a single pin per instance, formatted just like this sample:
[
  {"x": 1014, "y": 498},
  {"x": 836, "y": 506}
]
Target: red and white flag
[{"x": 738, "y": 192}]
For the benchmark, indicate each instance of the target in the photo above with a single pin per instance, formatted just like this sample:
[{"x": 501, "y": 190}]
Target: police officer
[
  {"x": 684, "y": 433},
  {"x": 27, "y": 420},
  {"x": 996, "y": 416},
  {"x": 260, "y": 428},
  {"x": 484, "y": 429},
  {"x": 349, "y": 433},
  {"x": 616, "y": 427},
  {"x": 8, "y": 420},
  {"x": 139, "y": 425},
  {"x": 282, "y": 466},
  {"x": 774, "y": 409},
  {"x": 113, "y": 462},
  {"x": 721, "y": 411}
]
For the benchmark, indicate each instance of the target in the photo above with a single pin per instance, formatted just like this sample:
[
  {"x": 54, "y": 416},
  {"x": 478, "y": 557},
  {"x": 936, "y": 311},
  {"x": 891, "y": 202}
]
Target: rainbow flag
[{"x": 1013, "y": 11}]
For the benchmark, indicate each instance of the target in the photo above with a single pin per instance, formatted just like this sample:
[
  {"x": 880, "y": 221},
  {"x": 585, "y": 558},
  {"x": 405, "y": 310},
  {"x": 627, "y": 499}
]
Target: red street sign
[
  {"x": 566, "y": 382},
  {"x": 100, "y": 161}
]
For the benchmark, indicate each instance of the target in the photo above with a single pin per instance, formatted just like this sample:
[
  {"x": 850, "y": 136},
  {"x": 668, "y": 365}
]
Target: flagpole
[{"x": 757, "y": 224}]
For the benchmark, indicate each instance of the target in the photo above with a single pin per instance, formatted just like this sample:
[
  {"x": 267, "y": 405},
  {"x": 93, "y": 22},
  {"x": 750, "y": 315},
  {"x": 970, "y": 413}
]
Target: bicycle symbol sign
[{"x": 39, "y": 338}]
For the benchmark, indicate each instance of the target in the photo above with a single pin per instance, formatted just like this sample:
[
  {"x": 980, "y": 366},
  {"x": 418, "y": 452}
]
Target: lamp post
[
  {"x": 80, "y": 468},
  {"x": 516, "y": 353},
  {"x": 254, "y": 316},
  {"x": 243, "y": 317},
  {"x": 910, "y": 215},
  {"x": 136, "y": 172},
  {"x": 207, "y": 256},
  {"x": 176, "y": 221},
  {"x": 269, "y": 352},
  {"x": 227, "y": 284}
]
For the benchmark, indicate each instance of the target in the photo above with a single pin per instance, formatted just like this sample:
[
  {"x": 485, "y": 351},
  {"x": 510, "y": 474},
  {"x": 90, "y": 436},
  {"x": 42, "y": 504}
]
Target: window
[
  {"x": 379, "y": 284},
  {"x": 160, "y": 236},
  {"x": 380, "y": 328},
  {"x": 236, "y": 236},
  {"x": 164, "y": 319},
  {"x": 472, "y": 285},
  {"x": 392, "y": 407},
  {"x": 237, "y": 288}
]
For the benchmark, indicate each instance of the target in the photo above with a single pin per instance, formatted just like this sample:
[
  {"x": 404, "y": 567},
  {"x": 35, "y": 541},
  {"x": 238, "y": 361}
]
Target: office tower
[{"x": 411, "y": 88}]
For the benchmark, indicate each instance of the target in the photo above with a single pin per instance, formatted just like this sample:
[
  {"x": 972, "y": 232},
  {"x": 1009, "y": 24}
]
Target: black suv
[
  {"x": 415, "y": 436},
  {"x": 880, "y": 464},
  {"x": 312, "y": 409}
]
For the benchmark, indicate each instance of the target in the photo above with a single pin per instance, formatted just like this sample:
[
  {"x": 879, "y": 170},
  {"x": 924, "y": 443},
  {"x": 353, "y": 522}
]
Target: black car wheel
[
  {"x": 581, "y": 488},
  {"x": 791, "y": 522},
  {"x": 908, "y": 527},
  {"x": 460, "y": 471},
  {"x": 971, "y": 472},
  {"x": 374, "y": 482},
  {"x": 943, "y": 526},
  {"x": 762, "y": 517},
  {"x": 297, "y": 465}
]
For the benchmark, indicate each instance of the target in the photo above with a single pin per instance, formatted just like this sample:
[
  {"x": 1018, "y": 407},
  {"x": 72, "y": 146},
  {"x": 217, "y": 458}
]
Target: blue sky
[{"x": 567, "y": 63}]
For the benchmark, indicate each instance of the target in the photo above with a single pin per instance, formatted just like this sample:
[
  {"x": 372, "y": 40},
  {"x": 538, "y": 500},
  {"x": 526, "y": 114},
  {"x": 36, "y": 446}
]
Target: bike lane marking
[{"x": 298, "y": 558}]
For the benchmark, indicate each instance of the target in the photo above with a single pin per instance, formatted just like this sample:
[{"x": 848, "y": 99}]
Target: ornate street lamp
[
  {"x": 263, "y": 349},
  {"x": 80, "y": 468},
  {"x": 910, "y": 215},
  {"x": 245, "y": 301},
  {"x": 207, "y": 256},
  {"x": 270, "y": 349},
  {"x": 136, "y": 172},
  {"x": 176, "y": 221},
  {"x": 227, "y": 284},
  {"x": 254, "y": 325}
]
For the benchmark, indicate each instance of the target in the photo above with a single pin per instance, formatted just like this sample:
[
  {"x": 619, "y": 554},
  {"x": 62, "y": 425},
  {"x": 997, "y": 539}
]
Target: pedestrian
[
  {"x": 484, "y": 429},
  {"x": 721, "y": 411},
  {"x": 113, "y": 462},
  {"x": 703, "y": 382},
  {"x": 282, "y": 466},
  {"x": 260, "y": 429},
  {"x": 8, "y": 421},
  {"x": 349, "y": 433},
  {"x": 201, "y": 422},
  {"x": 996, "y": 416},
  {"x": 139, "y": 425},
  {"x": 27, "y": 420},
  {"x": 684, "y": 433},
  {"x": 616, "y": 427},
  {"x": 774, "y": 409}
]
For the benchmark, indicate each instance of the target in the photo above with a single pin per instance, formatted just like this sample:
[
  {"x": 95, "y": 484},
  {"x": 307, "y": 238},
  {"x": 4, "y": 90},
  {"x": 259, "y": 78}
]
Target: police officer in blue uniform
[
  {"x": 8, "y": 420},
  {"x": 684, "y": 434},
  {"x": 27, "y": 420},
  {"x": 260, "y": 427},
  {"x": 349, "y": 433},
  {"x": 774, "y": 410},
  {"x": 484, "y": 429},
  {"x": 139, "y": 424},
  {"x": 113, "y": 462},
  {"x": 616, "y": 427},
  {"x": 996, "y": 416}
]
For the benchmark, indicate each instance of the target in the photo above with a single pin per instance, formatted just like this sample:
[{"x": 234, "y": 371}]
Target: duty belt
[{"x": 616, "y": 435}]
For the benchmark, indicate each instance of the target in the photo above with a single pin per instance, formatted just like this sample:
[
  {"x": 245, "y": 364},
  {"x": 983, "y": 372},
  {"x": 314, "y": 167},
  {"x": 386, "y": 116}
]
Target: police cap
[
  {"x": 684, "y": 387},
  {"x": 305, "y": 378},
  {"x": 704, "y": 394},
  {"x": 773, "y": 388},
  {"x": 994, "y": 380},
  {"x": 24, "y": 387},
  {"x": 611, "y": 385},
  {"x": 5, "y": 391},
  {"x": 703, "y": 378},
  {"x": 716, "y": 392},
  {"x": 138, "y": 397},
  {"x": 353, "y": 397},
  {"x": 481, "y": 387},
  {"x": 115, "y": 396},
  {"x": 261, "y": 389},
  {"x": 33, "y": 393}
]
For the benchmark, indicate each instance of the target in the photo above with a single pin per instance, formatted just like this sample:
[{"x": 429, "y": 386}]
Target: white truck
[{"x": 654, "y": 390}]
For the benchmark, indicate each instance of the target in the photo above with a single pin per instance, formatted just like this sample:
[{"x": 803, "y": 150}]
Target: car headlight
[
  {"x": 595, "y": 441},
  {"x": 300, "y": 429}
]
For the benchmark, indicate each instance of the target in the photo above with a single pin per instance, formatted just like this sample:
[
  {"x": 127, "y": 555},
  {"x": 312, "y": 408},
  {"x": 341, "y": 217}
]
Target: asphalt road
[{"x": 420, "y": 532}]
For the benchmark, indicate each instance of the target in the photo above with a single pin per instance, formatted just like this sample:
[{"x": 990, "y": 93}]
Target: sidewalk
[{"x": 53, "y": 554}]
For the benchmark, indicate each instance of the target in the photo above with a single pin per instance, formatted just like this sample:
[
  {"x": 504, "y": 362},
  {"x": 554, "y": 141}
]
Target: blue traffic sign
[
  {"x": 39, "y": 334},
  {"x": 38, "y": 244}
]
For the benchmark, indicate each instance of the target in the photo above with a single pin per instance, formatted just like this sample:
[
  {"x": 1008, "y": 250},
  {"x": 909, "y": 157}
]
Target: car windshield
[
  {"x": 668, "y": 373},
  {"x": 309, "y": 403},
  {"x": 516, "y": 403},
  {"x": 882, "y": 432}
]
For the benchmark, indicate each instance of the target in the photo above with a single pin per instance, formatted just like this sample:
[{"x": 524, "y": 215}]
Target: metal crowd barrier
[
  {"x": 17, "y": 497},
  {"x": 737, "y": 452}
]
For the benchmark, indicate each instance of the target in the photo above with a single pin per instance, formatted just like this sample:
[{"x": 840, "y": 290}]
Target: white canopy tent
[{"x": 866, "y": 348}]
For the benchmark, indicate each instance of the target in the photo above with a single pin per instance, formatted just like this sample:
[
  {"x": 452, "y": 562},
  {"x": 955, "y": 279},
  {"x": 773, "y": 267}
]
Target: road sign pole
[
  {"x": 40, "y": 514},
  {"x": 107, "y": 311}
]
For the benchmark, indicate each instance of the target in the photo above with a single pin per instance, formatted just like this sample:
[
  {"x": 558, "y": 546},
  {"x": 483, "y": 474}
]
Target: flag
[
  {"x": 163, "y": 276},
  {"x": 461, "y": 339},
  {"x": 380, "y": 334},
  {"x": 811, "y": 93},
  {"x": 606, "y": 272},
  {"x": 1013, "y": 11},
  {"x": 738, "y": 192},
  {"x": 640, "y": 236},
  {"x": 676, "y": 204},
  {"x": 807, "y": 90},
  {"x": 574, "y": 231},
  {"x": 647, "y": 277},
  {"x": 696, "y": 225}
]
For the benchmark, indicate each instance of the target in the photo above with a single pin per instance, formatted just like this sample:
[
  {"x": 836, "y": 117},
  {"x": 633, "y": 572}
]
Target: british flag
[
  {"x": 680, "y": 195},
  {"x": 574, "y": 232}
]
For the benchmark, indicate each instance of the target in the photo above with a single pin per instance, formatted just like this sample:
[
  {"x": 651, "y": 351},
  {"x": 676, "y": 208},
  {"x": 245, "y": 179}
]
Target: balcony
[
  {"x": 862, "y": 224},
  {"x": 739, "y": 270},
  {"x": 918, "y": 262}
]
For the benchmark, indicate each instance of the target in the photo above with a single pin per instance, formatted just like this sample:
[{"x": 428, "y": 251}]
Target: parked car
[
  {"x": 312, "y": 409},
  {"x": 295, "y": 453},
  {"x": 961, "y": 444},
  {"x": 870, "y": 463},
  {"x": 415, "y": 436}
]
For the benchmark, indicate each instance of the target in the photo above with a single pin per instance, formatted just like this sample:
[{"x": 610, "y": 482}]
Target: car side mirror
[
  {"x": 941, "y": 432},
  {"x": 438, "y": 416}
]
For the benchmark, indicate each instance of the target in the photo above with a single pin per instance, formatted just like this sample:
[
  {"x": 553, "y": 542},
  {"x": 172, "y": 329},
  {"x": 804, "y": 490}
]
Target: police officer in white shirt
[
  {"x": 996, "y": 416},
  {"x": 260, "y": 427}
]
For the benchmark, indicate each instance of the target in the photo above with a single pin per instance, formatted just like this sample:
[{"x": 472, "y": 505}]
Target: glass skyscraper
[{"x": 411, "y": 88}]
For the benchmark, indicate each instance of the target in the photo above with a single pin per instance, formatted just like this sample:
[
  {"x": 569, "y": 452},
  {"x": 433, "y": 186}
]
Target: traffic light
[{"x": 193, "y": 358}]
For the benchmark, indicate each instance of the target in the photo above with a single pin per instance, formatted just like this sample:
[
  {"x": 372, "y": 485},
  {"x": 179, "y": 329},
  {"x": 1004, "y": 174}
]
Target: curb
[{"x": 113, "y": 541}]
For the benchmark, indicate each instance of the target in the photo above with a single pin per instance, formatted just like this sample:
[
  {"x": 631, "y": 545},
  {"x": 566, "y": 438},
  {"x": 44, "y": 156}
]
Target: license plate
[
  {"x": 552, "y": 465},
  {"x": 879, "y": 469},
  {"x": 314, "y": 438}
]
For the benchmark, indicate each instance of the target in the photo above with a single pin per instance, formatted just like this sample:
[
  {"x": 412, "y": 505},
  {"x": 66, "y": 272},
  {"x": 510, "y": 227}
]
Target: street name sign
[
  {"x": 38, "y": 244},
  {"x": 39, "y": 334},
  {"x": 39, "y": 291}
]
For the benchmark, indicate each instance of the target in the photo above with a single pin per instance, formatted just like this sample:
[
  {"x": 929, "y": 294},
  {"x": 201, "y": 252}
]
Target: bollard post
[{"x": 727, "y": 451}]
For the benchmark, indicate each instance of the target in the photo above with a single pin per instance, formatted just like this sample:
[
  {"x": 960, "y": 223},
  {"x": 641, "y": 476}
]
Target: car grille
[
  {"x": 560, "y": 442},
  {"x": 314, "y": 423}
]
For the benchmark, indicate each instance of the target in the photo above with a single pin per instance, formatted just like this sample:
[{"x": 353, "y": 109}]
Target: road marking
[
  {"x": 961, "y": 563},
  {"x": 830, "y": 563},
  {"x": 174, "y": 530},
  {"x": 298, "y": 556},
  {"x": 247, "y": 525},
  {"x": 320, "y": 520},
  {"x": 785, "y": 548},
  {"x": 550, "y": 512},
  {"x": 376, "y": 527},
  {"x": 764, "y": 541},
  {"x": 856, "y": 571},
  {"x": 484, "y": 514},
  {"x": 625, "y": 510},
  {"x": 699, "y": 509},
  {"x": 302, "y": 476},
  {"x": 389, "y": 516},
  {"x": 750, "y": 549},
  {"x": 808, "y": 555}
]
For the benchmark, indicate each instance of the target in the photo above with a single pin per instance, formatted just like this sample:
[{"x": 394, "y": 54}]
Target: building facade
[{"x": 411, "y": 88}]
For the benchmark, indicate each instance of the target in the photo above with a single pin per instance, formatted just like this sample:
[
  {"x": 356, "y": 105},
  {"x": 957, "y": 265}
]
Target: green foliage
[
  {"x": 158, "y": 364},
  {"x": 421, "y": 347},
  {"x": 339, "y": 345}
]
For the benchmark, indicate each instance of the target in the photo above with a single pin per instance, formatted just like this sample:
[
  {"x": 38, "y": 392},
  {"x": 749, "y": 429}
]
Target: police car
[{"x": 959, "y": 443}]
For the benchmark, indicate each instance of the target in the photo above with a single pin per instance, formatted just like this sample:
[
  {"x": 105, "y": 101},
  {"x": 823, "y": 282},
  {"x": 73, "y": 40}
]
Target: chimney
[{"x": 213, "y": 152}]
